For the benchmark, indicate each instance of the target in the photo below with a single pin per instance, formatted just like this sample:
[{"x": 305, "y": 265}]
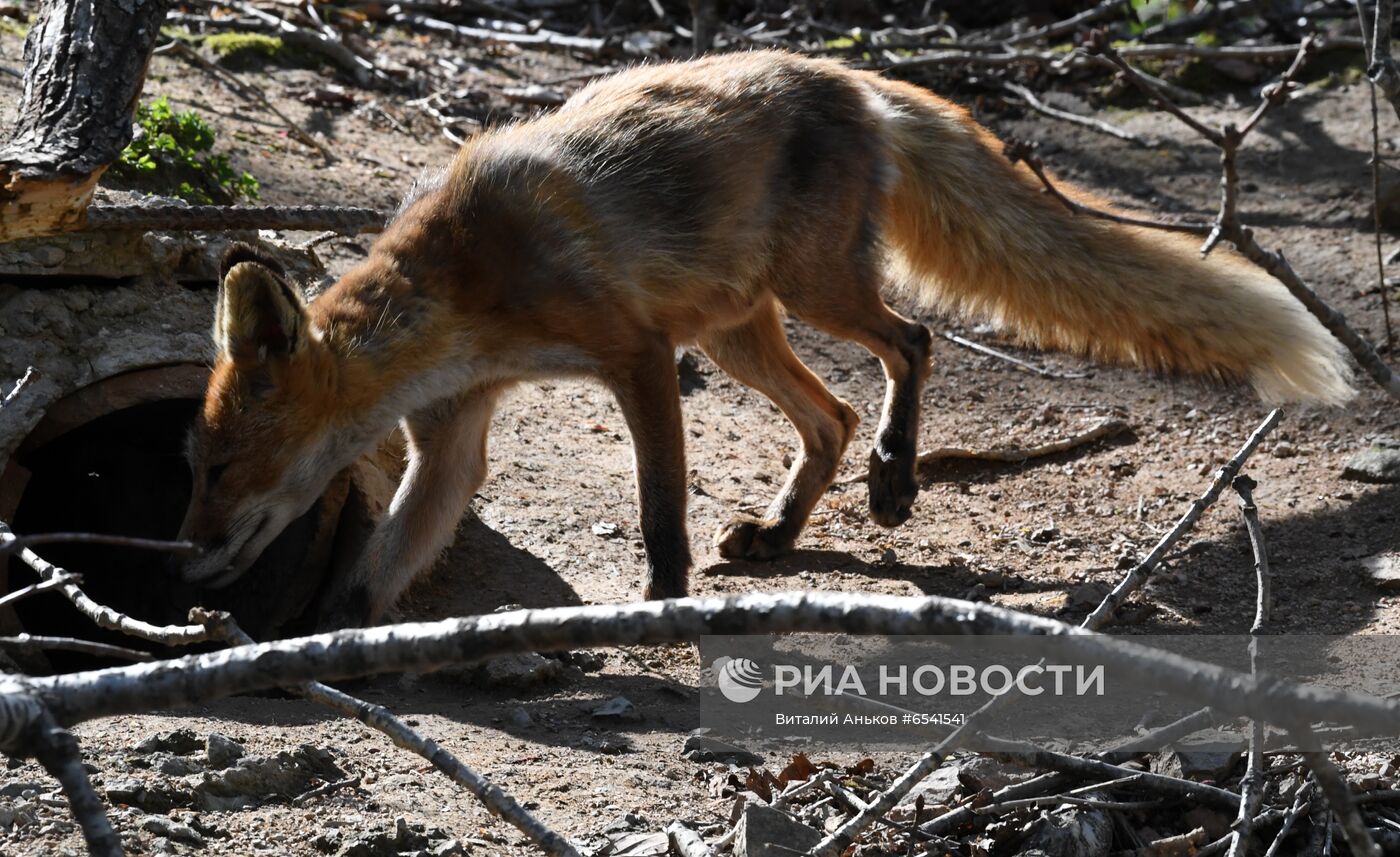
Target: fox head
[{"x": 263, "y": 446}]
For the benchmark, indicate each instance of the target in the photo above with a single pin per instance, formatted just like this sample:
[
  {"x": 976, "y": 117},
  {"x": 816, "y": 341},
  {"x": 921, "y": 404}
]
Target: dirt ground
[{"x": 1029, "y": 537}]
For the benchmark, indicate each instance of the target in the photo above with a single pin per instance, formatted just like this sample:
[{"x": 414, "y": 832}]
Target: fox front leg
[
  {"x": 446, "y": 466},
  {"x": 648, "y": 392}
]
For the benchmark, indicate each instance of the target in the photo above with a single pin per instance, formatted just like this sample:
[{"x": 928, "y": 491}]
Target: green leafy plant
[{"x": 174, "y": 150}]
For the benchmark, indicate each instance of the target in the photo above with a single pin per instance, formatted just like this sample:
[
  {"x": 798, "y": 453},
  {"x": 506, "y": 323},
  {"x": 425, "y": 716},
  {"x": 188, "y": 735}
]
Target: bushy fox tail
[{"x": 976, "y": 234}]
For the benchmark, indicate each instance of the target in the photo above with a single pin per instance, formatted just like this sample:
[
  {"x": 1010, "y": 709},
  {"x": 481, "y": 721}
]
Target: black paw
[{"x": 893, "y": 488}]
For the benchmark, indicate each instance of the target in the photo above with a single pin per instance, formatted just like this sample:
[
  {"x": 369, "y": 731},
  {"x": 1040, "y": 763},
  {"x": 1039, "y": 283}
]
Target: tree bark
[{"x": 85, "y": 62}]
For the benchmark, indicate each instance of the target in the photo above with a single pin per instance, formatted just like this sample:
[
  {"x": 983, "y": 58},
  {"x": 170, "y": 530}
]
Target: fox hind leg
[
  {"x": 757, "y": 354},
  {"x": 855, "y": 310}
]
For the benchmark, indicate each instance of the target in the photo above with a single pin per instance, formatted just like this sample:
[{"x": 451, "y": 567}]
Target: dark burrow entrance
[{"x": 124, "y": 473}]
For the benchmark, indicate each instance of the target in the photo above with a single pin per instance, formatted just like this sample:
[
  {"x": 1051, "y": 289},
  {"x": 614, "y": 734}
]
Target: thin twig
[
  {"x": 1103, "y": 10},
  {"x": 19, "y": 386},
  {"x": 1273, "y": 262},
  {"x": 9, "y": 543},
  {"x": 1010, "y": 358},
  {"x": 104, "y": 616},
  {"x": 184, "y": 218},
  {"x": 1143, "y": 570},
  {"x": 249, "y": 92},
  {"x": 33, "y": 643},
  {"x": 1034, "y": 103},
  {"x": 1028, "y": 755},
  {"x": 1338, "y": 795},
  {"x": 1376, "y": 216},
  {"x": 63, "y": 579},
  {"x": 956, "y": 819},
  {"x": 1300, "y": 805},
  {"x": 1019, "y": 151},
  {"x": 383, "y": 720},
  {"x": 1252, "y": 785},
  {"x": 1015, "y": 454}
]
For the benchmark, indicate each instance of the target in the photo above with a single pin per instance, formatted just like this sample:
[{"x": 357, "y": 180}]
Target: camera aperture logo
[{"x": 739, "y": 679}]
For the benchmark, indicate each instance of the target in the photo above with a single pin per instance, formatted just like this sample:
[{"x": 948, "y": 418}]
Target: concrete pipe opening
[{"x": 110, "y": 459}]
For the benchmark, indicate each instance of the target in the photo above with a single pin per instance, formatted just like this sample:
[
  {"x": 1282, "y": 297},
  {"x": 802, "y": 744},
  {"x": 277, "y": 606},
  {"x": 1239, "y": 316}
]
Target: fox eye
[{"x": 212, "y": 475}]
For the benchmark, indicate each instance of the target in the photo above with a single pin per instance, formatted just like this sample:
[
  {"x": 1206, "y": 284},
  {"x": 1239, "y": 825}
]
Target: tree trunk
[{"x": 85, "y": 61}]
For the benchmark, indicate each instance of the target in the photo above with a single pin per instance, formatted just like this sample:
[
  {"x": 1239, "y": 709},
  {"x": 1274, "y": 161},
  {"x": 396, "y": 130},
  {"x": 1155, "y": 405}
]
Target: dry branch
[
  {"x": 1252, "y": 786},
  {"x": 364, "y": 72},
  {"x": 1227, "y": 225},
  {"x": 1016, "y": 455},
  {"x": 1031, "y": 756},
  {"x": 1010, "y": 358},
  {"x": 249, "y": 92},
  {"x": 421, "y": 646},
  {"x": 842, "y": 838},
  {"x": 42, "y": 586},
  {"x": 9, "y": 543},
  {"x": 104, "y": 616},
  {"x": 57, "y": 750},
  {"x": 1339, "y": 798},
  {"x": 1034, "y": 103},
  {"x": 379, "y": 718},
  {"x": 1140, "y": 573},
  {"x": 18, "y": 387},
  {"x": 32, "y": 643},
  {"x": 540, "y": 39}
]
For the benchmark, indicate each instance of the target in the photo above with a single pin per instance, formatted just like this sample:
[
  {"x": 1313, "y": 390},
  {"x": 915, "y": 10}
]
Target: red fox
[{"x": 693, "y": 202}]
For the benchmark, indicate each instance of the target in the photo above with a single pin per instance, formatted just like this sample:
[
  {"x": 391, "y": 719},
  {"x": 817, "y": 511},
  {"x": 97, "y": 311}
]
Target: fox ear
[{"x": 259, "y": 315}]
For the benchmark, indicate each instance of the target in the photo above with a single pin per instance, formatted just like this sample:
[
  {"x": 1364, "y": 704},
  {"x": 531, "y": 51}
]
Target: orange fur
[{"x": 688, "y": 203}]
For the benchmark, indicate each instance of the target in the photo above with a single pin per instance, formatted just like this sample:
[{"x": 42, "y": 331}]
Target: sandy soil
[{"x": 561, "y": 462}]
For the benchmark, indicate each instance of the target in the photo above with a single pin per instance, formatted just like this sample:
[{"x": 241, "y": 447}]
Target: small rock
[
  {"x": 519, "y": 717},
  {"x": 1378, "y": 463},
  {"x": 703, "y": 748},
  {"x": 937, "y": 787},
  {"x": 1045, "y": 535},
  {"x": 618, "y": 708},
  {"x": 181, "y": 742},
  {"x": 521, "y": 669},
  {"x": 979, "y": 772},
  {"x": 162, "y": 826},
  {"x": 1087, "y": 596},
  {"x": 176, "y": 766},
  {"x": 1383, "y": 569},
  {"x": 629, "y": 822},
  {"x": 766, "y": 832},
  {"x": 19, "y": 789},
  {"x": 1284, "y": 449},
  {"x": 222, "y": 751},
  {"x": 1211, "y": 761},
  {"x": 253, "y": 779},
  {"x": 605, "y": 530}
]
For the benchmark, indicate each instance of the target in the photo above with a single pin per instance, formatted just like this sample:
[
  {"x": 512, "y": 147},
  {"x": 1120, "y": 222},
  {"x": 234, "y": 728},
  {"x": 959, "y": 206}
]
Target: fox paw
[
  {"x": 747, "y": 537},
  {"x": 893, "y": 489},
  {"x": 346, "y": 610}
]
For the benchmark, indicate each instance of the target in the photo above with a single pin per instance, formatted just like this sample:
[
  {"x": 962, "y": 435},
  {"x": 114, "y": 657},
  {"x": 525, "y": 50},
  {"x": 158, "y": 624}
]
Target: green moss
[
  {"x": 11, "y": 27},
  {"x": 226, "y": 45}
]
